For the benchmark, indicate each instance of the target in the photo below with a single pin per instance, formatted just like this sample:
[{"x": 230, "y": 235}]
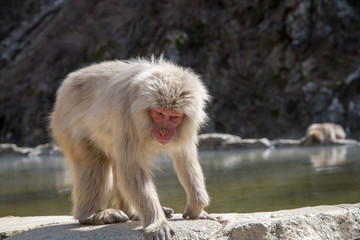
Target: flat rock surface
[{"x": 322, "y": 222}]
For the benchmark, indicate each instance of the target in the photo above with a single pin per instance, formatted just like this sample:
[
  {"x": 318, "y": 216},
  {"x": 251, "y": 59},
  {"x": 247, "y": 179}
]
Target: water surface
[{"x": 237, "y": 181}]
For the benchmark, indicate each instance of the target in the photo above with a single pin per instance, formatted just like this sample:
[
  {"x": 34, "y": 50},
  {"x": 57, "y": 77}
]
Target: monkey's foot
[
  {"x": 159, "y": 232},
  {"x": 105, "y": 217},
  {"x": 203, "y": 215},
  {"x": 168, "y": 212}
]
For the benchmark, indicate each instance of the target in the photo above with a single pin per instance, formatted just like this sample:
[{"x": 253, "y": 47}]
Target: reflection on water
[
  {"x": 329, "y": 159},
  {"x": 237, "y": 181}
]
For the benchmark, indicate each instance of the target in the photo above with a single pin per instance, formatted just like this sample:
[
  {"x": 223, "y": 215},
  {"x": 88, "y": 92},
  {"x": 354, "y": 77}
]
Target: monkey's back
[
  {"x": 85, "y": 103},
  {"x": 92, "y": 101}
]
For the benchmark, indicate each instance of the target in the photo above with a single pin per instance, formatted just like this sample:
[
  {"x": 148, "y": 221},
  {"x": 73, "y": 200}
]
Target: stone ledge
[
  {"x": 322, "y": 222},
  {"x": 208, "y": 141},
  {"x": 220, "y": 141},
  {"x": 11, "y": 149}
]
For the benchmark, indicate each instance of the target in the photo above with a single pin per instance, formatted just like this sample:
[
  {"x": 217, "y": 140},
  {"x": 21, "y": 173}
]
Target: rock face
[
  {"x": 273, "y": 67},
  {"x": 315, "y": 223}
]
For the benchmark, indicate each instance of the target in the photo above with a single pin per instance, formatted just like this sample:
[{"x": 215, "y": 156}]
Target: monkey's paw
[
  {"x": 106, "y": 217},
  {"x": 203, "y": 215},
  {"x": 168, "y": 212},
  {"x": 159, "y": 232}
]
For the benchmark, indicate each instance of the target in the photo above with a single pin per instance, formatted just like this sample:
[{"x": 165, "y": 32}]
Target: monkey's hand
[
  {"x": 168, "y": 212},
  {"x": 105, "y": 217},
  {"x": 202, "y": 215},
  {"x": 159, "y": 232}
]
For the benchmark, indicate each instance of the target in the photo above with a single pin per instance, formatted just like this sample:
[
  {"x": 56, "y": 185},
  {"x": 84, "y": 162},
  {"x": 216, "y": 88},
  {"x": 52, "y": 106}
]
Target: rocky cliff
[{"x": 272, "y": 67}]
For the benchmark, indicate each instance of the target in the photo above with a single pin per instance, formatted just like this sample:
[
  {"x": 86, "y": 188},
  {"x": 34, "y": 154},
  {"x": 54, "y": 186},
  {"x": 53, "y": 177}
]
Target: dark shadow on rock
[{"x": 128, "y": 230}]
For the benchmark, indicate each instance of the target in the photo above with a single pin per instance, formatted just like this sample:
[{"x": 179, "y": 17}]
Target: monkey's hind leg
[{"x": 91, "y": 174}]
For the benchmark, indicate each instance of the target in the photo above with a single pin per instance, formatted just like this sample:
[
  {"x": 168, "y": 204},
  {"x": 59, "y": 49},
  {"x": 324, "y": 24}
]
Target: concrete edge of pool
[{"x": 321, "y": 222}]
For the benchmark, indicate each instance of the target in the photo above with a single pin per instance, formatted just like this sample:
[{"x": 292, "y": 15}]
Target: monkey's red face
[{"x": 165, "y": 123}]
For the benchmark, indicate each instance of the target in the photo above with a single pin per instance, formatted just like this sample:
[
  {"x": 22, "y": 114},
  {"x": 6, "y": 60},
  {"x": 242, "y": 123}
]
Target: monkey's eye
[
  {"x": 157, "y": 114},
  {"x": 175, "y": 119}
]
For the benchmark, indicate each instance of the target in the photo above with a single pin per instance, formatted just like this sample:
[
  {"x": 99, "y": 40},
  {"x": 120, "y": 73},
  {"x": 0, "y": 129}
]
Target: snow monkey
[
  {"x": 110, "y": 119},
  {"x": 323, "y": 133}
]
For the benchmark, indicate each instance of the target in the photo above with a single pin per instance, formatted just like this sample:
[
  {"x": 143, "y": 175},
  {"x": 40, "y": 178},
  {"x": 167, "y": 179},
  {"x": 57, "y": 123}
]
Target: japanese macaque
[
  {"x": 323, "y": 133},
  {"x": 110, "y": 119}
]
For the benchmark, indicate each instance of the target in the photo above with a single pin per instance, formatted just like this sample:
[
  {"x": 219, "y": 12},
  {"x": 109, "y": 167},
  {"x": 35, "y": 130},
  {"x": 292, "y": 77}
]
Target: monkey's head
[
  {"x": 316, "y": 137},
  {"x": 172, "y": 99}
]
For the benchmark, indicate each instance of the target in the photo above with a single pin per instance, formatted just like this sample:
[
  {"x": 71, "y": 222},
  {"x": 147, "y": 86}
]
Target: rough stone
[
  {"x": 298, "y": 23},
  {"x": 212, "y": 141},
  {"x": 40, "y": 150},
  {"x": 13, "y": 149},
  {"x": 275, "y": 59},
  {"x": 309, "y": 89},
  {"x": 250, "y": 143},
  {"x": 216, "y": 141},
  {"x": 219, "y": 141},
  {"x": 308, "y": 66},
  {"x": 175, "y": 38},
  {"x": 322, "y": 99},
  {"x": 286, "y": 143},
  {"x": 353, "y": 76},
  {"x": 335, "y": 111},
  {"x": 321, "y": 222}
]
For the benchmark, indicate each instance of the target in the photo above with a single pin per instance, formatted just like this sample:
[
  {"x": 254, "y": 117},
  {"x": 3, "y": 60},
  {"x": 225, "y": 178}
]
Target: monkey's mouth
[
  {"x": 163, "y": 136},
  {"x": 163, "y": 141}
]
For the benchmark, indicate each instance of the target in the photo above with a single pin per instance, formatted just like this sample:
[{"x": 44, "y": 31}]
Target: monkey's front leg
[
  {"x": 136, "y": 182},
  {"x": 191, "y": 178}
]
